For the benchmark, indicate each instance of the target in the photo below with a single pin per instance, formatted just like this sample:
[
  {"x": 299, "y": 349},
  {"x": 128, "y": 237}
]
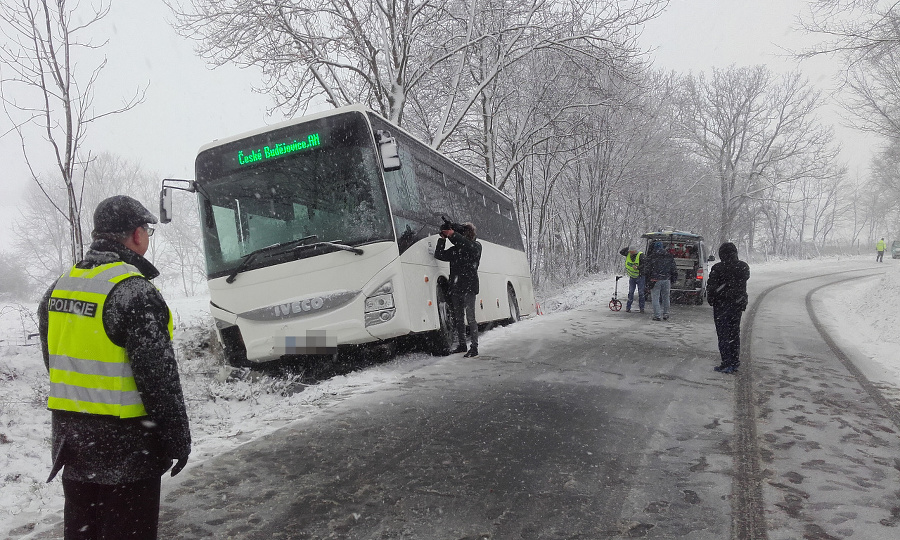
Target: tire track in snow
[
  {"x": 747, "y": 505},
  {"x": 889, "y": 410}
]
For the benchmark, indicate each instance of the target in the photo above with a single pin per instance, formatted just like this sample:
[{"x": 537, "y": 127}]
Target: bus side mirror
[
  {"x": 390, "y": 155},
  {"x": 165, "y": 205},
  {"x": 165, "y": 196}
]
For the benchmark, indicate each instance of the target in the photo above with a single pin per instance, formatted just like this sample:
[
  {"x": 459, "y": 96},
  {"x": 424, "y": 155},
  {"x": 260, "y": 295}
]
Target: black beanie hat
[{"x": 120, "y": 214}]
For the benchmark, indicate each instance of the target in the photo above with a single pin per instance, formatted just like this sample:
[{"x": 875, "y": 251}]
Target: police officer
[
  {"x": 118, "y": 414},
  {"x": 634, "y": 267},
  {"x": 879, "y": 247}
]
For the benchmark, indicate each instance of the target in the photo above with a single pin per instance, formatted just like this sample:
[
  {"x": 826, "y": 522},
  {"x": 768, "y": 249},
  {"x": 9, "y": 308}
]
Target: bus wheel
[
  {"x": 441, "y": 340},
  {"x": 514, "y": 315}
]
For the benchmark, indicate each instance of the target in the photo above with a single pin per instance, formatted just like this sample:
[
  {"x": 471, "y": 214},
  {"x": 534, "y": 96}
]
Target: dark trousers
[
  {"x": 632, "y": 283},
  {"x": 111, "y": 512},
  {"x": 728, "y": 329},
  {"x": 880, "y": 257},
  {"x": 464, "y": 308}
]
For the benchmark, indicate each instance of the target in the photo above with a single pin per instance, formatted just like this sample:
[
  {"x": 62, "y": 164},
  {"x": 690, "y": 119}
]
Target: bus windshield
[{"x": 317, "y": 179}]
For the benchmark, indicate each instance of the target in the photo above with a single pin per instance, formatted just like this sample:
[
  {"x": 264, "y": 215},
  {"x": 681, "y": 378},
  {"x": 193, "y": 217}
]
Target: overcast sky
[{"x": 188, "y": 104}]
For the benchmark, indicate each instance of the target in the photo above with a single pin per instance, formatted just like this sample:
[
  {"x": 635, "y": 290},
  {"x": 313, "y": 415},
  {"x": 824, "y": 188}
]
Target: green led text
[{"x": 279, "y": 150}]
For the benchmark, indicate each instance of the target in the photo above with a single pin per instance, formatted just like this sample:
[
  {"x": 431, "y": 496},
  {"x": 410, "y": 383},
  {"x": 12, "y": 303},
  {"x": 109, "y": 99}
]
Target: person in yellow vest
[
  {"x": 118, "y": 415},
  {"x": 879, "y": 247},
  {"x": 634, "y": 266}
]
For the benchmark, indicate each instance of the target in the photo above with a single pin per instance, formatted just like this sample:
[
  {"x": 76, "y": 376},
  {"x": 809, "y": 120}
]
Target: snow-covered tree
[
  {"x": 755, "y": 129},
  {"x": 47, "y": 92}
]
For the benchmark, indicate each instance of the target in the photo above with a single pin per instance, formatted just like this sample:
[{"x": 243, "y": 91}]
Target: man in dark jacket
[
  {"x": 118, "y": 413},
  {"x": 661, "y": 272},
  {"x": 464, "y": 258},
  {"x": 726, "y": 292}
]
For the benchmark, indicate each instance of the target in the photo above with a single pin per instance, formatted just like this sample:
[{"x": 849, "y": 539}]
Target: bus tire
[
  {"x": 514, "y": 314},
  {"x": 441, "y": 340}
]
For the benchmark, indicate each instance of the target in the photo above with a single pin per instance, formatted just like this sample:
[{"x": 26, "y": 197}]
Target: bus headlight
[{"x": 379, "y": 307}]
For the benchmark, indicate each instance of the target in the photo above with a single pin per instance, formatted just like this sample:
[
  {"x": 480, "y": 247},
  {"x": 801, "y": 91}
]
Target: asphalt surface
[
  {"x": 826, "y": 434},
  {"x": 592, "y": 425},
  {"x": 587, "y": 424}
]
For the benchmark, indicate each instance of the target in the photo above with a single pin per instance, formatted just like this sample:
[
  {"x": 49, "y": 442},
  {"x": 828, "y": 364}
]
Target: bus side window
[
  {"x": 402, "y": 188},
  {"x": 434, "y": 191}
]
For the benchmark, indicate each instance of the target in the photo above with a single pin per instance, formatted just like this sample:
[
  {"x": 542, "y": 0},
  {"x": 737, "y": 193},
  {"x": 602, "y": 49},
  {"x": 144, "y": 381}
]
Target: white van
[{"x": 691, "y": 259}]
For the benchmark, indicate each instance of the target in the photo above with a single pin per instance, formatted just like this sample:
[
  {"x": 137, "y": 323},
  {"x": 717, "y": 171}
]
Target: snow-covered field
[{"x": 226, "y": 412}]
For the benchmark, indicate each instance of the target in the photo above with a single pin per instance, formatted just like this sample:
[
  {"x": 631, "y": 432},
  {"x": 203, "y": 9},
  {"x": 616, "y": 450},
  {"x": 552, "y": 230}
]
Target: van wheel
[
  {"x": 514, "y": 315},
  {"x": 441, "y": 340}
]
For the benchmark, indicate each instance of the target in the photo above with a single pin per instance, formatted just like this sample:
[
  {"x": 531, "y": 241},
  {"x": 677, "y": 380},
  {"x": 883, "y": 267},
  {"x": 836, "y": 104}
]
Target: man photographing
[
  {"x": 464, "y": 258},
  {"x": 118, "y": 415}
]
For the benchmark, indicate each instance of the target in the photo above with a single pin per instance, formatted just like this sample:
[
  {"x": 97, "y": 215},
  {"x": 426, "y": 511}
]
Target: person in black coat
[
  {"x": 112, "y": 463},
  {"x": 661, "y": 272},
  {"x": 464, "y": 258},
  {"x": 726, "y": 292}
]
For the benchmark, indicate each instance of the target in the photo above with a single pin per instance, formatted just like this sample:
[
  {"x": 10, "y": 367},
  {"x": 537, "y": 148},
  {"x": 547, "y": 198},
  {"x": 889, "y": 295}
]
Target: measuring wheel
[{"x": 615, "y": 304}]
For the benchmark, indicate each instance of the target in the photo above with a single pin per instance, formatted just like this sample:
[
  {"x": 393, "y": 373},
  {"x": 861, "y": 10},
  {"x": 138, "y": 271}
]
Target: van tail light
[{"x": 700, "y": 273}]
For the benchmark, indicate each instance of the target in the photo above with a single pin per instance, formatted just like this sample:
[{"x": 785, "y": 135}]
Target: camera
[{"x": 456, "y": 227}]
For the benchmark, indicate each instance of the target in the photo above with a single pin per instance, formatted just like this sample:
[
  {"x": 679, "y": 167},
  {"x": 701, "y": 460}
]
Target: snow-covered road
[{"x": 583, "y": 422}]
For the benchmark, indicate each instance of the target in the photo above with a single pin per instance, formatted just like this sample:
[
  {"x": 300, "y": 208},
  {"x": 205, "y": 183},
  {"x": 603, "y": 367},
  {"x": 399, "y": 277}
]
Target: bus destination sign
[{"x": 246, "y": 157}]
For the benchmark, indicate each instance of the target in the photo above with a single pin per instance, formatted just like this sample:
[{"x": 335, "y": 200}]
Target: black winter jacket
[
  {"x": 727, "y": 283},
  {"x": 464, "y": 258},
  {"x": 660, "y": 265},
  {"x": 103, "y": 449}
]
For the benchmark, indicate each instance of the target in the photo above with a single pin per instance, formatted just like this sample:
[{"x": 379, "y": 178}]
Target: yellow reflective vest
[
  {"x": 88, "y": 372},
  {"x": 880, "y": 245},
  {"x": 632, "y": 265}
]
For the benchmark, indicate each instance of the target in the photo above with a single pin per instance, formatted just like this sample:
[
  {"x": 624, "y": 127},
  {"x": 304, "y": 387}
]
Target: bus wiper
[
  {"x": 250, "y": 257},
  {"x": 335, "y": 244}
]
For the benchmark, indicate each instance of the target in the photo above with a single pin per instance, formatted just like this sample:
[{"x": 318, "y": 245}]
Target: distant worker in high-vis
[
  {"x": 879, "y": 247},
  {"x": 118, "y": 415}
]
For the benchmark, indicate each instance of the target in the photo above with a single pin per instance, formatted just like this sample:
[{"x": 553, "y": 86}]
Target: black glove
[
  {"x": 449, "y": 225},
  {"x": 179, "y": 465},
  {"x": 651, "y": 283}
]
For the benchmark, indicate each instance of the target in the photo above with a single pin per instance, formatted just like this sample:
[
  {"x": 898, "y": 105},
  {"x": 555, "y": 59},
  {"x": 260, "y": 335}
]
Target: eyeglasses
[{"x": 150, "y": 230}]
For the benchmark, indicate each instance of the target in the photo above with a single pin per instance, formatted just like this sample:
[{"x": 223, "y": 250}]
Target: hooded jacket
[
  {"x": 110, "y": 450},
  {"x": 727, "y": 284},
  {"x": 464, "y": 258},
  {"x": 660, "y": 264}
]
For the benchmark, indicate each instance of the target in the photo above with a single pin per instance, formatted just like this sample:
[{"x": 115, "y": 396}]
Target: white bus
[{"x": 320, "y": 232}]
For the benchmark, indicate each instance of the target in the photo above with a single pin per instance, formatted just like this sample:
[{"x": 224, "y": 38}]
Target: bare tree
[
  {"x": 41, "y": 232},
  {"x": 15, "y": 284},
  {"x": 42, "y": 86},
  {"x": 866, "y": 34},
  {"x": 854, "y": 27},
  {"x": 443, "y": 54},
  {"x": 886, "y": 170},
  {"x": 755, "y": 130}
]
